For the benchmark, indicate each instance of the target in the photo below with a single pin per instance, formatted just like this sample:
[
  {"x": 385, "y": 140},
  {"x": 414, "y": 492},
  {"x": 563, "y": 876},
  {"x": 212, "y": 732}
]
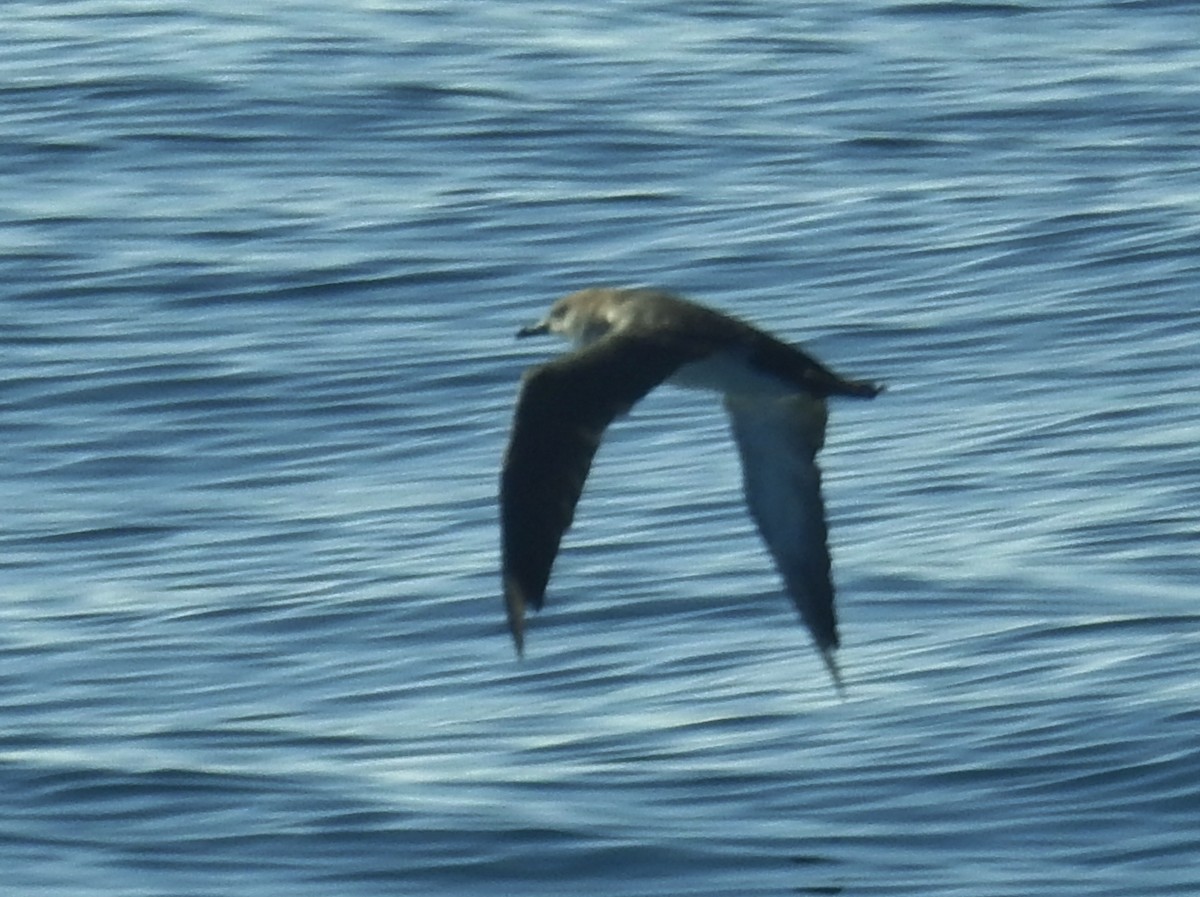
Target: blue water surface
[{"x": 262, "y": 266}]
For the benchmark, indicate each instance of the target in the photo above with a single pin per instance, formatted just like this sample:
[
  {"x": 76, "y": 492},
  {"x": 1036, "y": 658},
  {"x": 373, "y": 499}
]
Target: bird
[{"x": 627, "y": 341}]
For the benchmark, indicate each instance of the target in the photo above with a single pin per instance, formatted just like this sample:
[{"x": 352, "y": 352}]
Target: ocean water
[{"x": 262, "y": 266}]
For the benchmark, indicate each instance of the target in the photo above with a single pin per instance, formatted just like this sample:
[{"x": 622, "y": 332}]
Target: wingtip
[
  {"x": 517, "y": 629},
  {"x": 835, "y": 673},
  {"x": 514, "y": 605}
]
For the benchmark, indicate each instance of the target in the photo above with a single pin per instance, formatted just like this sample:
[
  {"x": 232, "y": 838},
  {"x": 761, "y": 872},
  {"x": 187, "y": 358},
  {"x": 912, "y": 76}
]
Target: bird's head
[{"x": 581, "y": 317}]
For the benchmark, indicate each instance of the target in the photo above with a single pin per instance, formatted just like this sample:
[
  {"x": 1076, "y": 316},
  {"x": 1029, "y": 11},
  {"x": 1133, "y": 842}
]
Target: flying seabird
[{"x": 628, "y": 341}]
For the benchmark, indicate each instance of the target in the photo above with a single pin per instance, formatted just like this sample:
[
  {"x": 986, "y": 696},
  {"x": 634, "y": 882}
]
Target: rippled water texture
[{"x": 262, "y": 268}]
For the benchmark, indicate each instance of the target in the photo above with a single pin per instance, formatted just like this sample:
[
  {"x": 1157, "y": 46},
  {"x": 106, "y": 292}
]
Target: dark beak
[{"x": 534, "y": 330}]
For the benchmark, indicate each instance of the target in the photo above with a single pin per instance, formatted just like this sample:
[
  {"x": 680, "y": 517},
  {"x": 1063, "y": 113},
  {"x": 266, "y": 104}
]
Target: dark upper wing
[
  {"x": 778, "y": 440},
  {"x": 561, "y": 414}
]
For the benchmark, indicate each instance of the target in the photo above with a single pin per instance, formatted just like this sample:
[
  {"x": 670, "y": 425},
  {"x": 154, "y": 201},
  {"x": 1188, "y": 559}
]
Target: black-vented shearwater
[{"x": 627, "y": 342}]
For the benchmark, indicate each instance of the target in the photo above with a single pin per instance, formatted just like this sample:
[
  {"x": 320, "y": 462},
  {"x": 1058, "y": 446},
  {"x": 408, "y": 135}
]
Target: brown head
[{"x": 582, "y": 317}]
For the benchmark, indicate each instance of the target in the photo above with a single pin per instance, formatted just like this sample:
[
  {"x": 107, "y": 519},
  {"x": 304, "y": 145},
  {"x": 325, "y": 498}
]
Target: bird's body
[{"x": 627, "y": 342}]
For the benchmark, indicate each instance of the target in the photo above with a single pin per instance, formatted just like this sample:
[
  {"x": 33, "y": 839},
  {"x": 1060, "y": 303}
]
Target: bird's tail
[{"x": 859, "y": 389}]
